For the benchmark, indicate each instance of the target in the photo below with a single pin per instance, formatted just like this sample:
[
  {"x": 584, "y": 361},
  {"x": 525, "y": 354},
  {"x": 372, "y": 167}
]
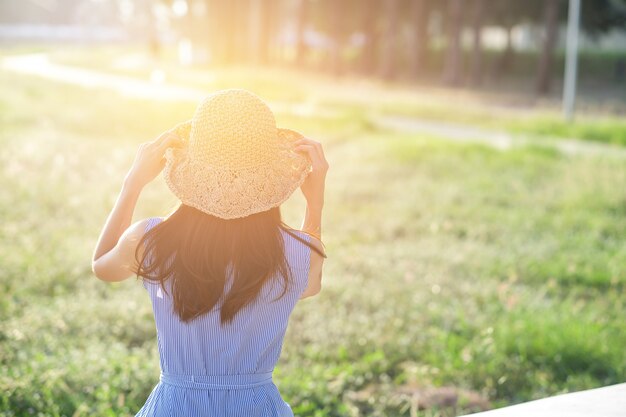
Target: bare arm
[
  {"x": 313, "y": 190},
  {"x": 313, "y": 224},
  {"x": 119, "y": 219},
  {"x": 113, "y": 257},
  {"x": 313, "y": 220}
]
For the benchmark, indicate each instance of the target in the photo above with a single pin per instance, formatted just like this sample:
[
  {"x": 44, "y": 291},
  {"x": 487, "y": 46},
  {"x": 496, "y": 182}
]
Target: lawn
[{"x": 498, "y": 273}]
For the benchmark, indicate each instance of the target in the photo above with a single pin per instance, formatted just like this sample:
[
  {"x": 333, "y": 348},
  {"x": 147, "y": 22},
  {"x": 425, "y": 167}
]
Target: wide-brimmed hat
[{"x": 234, "y": 161}]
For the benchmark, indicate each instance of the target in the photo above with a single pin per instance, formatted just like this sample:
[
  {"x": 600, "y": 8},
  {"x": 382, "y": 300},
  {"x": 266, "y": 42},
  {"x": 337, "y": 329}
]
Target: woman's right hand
[{"x": 313, "y": 186}]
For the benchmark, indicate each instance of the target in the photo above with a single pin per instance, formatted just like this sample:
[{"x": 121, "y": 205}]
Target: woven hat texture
[{"x": 234, "y": 161}]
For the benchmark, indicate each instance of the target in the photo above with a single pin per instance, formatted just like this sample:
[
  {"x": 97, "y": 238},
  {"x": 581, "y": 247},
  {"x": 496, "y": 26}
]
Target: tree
[
  {"x": 419, "y": 13},
  {"x": 550, "y": 22},
  {"x": 476, "y": 58},
  {"x": 387, "y": 64},
  {"x": 301, "y": 22},
  {"x": 268, "y": 26},
  {"x": 371, "y": 31},
  {"x": 255, "y": 18},
  {"x": 600, "y": 16},
  {"x": 454, "y": 25},
  {"x": 507, "y": 14},
  {"x": 206, "y": 28},
  {"x": 336, "y": 33},
  {"x": 337, "y": 20}
]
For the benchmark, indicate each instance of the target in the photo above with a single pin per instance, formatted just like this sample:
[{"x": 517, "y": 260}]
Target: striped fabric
[{"x": 210, "y": 371}]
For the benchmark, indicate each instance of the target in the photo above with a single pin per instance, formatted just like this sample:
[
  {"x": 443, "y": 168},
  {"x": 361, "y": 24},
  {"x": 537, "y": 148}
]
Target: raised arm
[
  {"x": 113, "y": 257},
  {"x": 313, "y": 191}
]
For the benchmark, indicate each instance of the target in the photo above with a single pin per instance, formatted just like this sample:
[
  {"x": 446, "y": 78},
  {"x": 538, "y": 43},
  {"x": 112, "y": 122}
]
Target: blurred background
[
  {"x": 475, "y": 209},
  {"x": 478, "y": 44}
]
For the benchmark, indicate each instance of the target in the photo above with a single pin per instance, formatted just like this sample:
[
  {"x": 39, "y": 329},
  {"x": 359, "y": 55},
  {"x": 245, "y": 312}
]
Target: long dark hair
[{"x": 195, "y": 249}]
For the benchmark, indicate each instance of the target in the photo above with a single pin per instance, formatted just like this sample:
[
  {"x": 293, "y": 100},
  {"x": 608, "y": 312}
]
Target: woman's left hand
[{"x": 149, "y": 161}]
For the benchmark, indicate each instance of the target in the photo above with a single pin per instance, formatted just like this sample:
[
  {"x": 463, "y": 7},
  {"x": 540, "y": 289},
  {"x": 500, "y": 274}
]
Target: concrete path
[
  {"x": 601, "y": 402},
  {"x": 498, "y": 139},
  {"x": 41, "y": 66}
]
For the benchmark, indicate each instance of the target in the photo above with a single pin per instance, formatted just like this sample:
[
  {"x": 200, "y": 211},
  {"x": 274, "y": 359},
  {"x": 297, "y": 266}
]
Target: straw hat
[{"x": 234, "y": 161}]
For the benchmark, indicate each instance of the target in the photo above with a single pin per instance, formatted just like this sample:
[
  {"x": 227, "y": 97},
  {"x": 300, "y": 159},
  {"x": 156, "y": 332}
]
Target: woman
[{"x": 223, "y": 272}]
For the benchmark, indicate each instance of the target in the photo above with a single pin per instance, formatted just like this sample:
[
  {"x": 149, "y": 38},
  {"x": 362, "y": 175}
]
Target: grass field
[{"x": 495, "y": 272}]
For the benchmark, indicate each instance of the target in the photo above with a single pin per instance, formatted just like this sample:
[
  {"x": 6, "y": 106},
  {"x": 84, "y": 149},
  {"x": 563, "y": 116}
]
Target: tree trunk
[
  {"x": 544, "y": 71},
  {"x": 267, "y": 31},
  {"x": 212, "y": 25},
  {"x": 237, "y": 30},
  {"x": 476, "y": 63},
  {"x": 279, "y": 52},
  {"x": 505, "y": 60},
  {"x": 254, "y": 30},
  {"x": 454, "y": 24},
  {"x": 334, "y": 57},
  {"x": 301, "y": 21},
  {"x": 419, "y": 18},
  {"x": 370, "y": 49},
  {"x": 228, "y": 30},
  {"x": 387, "y": 64}
]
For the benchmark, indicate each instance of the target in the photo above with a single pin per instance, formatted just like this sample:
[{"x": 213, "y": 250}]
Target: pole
[{"x": 571, "y": 59}]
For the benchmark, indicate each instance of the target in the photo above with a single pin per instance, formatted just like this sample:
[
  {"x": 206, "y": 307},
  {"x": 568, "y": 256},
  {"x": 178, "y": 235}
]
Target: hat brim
[{"x": 230, "y": 192}]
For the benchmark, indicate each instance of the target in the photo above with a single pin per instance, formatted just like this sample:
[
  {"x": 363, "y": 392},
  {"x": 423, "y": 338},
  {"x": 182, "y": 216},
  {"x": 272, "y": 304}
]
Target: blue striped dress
[{"x": 213, "y": 371}]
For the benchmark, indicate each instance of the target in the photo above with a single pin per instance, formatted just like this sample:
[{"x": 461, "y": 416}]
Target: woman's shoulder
[
  {"x": 295, "y": 235},
  {"x": 304, "y": 240},
  {"x": 136, "y": 230},
  {"x": 150, "y": 222}
]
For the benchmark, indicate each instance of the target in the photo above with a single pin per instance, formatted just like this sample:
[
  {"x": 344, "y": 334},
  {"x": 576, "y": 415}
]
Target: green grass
[{"x": 499, "y": 272}]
